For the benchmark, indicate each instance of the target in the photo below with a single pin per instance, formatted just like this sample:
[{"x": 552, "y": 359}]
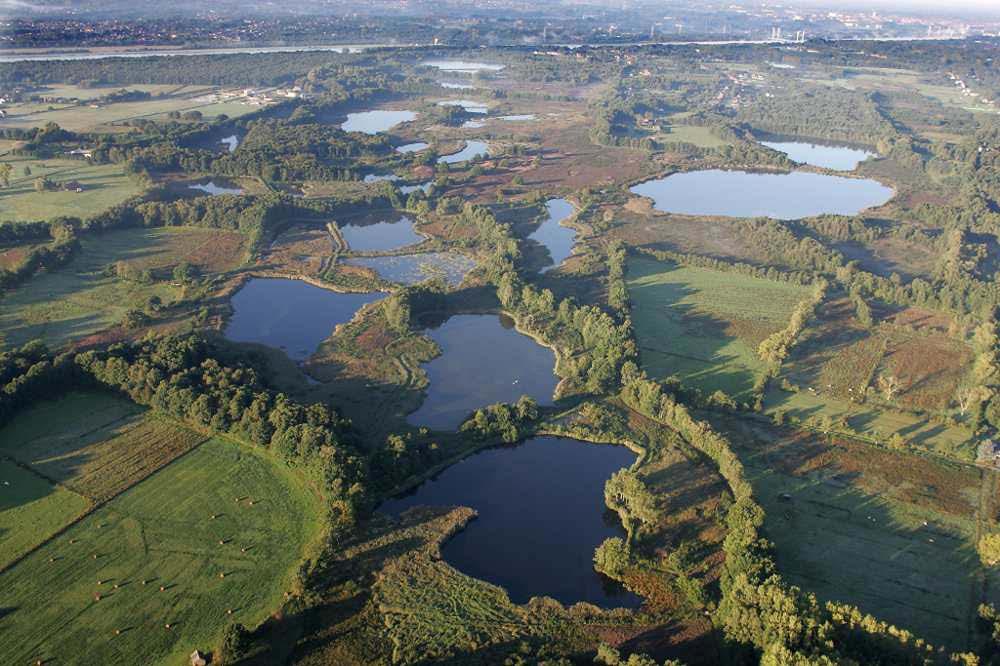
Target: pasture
[
  {"x": 871, "y": 527},
  {"x": 31, "y": 510},
  {"x": 151, "y": 575},
  {"x": 79, "y": 299},
  {"x": 90, "y": 116},
  {"x": 104, "y": 185},
  {"x": 694, "y": 134},
  {"x": 94, "y": 444},
  {"x": 704, "y": 326}
]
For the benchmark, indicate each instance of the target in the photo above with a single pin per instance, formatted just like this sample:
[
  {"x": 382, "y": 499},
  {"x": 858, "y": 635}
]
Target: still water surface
[
  {"x": 743, "y": 194},
  {"x": 471, "y": 149},
  {"x": 838, "y": 158},
  {"x": 483, "y": 361},
  {"x": 541, "y": 515},
  {"x": 290, "y": 314},
  {"x": 380, "y": 236},
  {"x": 559, "y": 240},
  {"x": 375, "y": 122}
]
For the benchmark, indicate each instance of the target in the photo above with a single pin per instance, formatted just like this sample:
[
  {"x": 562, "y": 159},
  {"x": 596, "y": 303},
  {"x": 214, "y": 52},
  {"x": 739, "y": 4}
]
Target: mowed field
[
  {"x": 104, "y": 185},
  {"x": 893, "y": 533},
  {"x": 78, "y": 299},
  {"x": 704, "y": 326},
  {"x": 103, "y": 118},
  {"x": 106, "y": 589},
  {"x": 31, "y": 510},
  {"x": 61, "y": 457},
  {"x": 93, "y": 444}
]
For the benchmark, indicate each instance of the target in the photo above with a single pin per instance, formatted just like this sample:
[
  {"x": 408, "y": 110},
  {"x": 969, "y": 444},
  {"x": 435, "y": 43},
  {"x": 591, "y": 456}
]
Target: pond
[
  {"x": 462, "y": 66},
  {"x": 469, "y": 105},
  {"x": 379, "y": 177},
  {"x": 374, "y": 122},
  {"x": 230, "y": 142},
  {"x": 290, "y": 314},
  {"x": 410, "y": 269},
  {"x": 828, "y": 156},
  {"x": 474, "y": 124},
  {"x": 553, "y": 235},
  {"x": 541, "y": 515},
  {"x": 471, "y": 149},
  {"x": 519, "y": 117},
  {"x": 381, "y": 235},
  {"x": 457, "y": 86},
  {"x": 483, "y": 361},
  {"x": 423, "y": 187},
  {"x": 210, "y": 187},
  {"x": 786, "y": 196},
  {"x": 415, "y": 147}
]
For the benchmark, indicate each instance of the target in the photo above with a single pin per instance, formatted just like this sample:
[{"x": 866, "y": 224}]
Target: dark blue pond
[
  {"x": 290, "y": 314},
  {"x": 541, "y": 515}
]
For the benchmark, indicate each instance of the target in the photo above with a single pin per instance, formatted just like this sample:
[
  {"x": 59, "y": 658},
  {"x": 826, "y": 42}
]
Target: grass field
[
  {"x": 693, "y": 134},
  {"x": 78, "y": 300},
  {"x": 890, "y": 532},
  {"x": 104, "y": 186},
  {"x": 704, "y": 326},
  {"x": 162, "y": 531},
  {"x": 94, "y": 444},
  {"x": 88, "y": 118},
  {"x": 31, "y": 510}
]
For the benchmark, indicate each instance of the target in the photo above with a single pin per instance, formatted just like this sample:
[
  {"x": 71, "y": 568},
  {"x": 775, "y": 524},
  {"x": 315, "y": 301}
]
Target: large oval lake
[
  {"x": 290, "y": 314},
  {"x": 541, "y": 515},
  {"x": 838, "y": 158},
  {"x": 483, "y": 361},
  {"x": 786, "y": 196},
  {"x": 556, "y": 238}
]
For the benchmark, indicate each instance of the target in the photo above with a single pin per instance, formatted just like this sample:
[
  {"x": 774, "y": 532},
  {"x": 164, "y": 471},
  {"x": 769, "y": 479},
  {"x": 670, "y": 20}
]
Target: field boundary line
[{"x": 96, "y": 504}]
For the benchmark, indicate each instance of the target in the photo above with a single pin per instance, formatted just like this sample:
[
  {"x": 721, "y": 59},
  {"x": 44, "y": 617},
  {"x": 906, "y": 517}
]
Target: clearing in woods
[
  {"x": 704, "y": 326},
  {"x": 80, "y": 599}
]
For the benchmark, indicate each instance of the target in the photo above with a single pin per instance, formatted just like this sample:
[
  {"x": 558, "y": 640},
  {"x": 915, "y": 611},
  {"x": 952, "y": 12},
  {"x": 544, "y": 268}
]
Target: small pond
[
  {"x": 210, "y": 187},
  {"x": 541, "y": 515},
  {"x": 415, "y": 147},
  {"x": 413, "y": 268},
  {"x": 471, "y": 149},
  {"x": 519, "y": 117},
  {"x": 469, "y": 105},
  {"x": 457, "y": 86},
  {"x": 230, "y": 142},
  {"x": 423, "y": 187},
  {"x": 553, "y": 235},
  {"x": 290, "y": 314},
  {"x": 374, "y": 122},
  {"x": 462, "y": 66},
  {"x": 483, "y": 361},
  {"x": 379, "y": 177},
  {"x": 786, "y": 196},
  {"x": 838, "y": 158},
  {"x": 379, "y": 236},
  {"x": 474, "y": 124}
]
